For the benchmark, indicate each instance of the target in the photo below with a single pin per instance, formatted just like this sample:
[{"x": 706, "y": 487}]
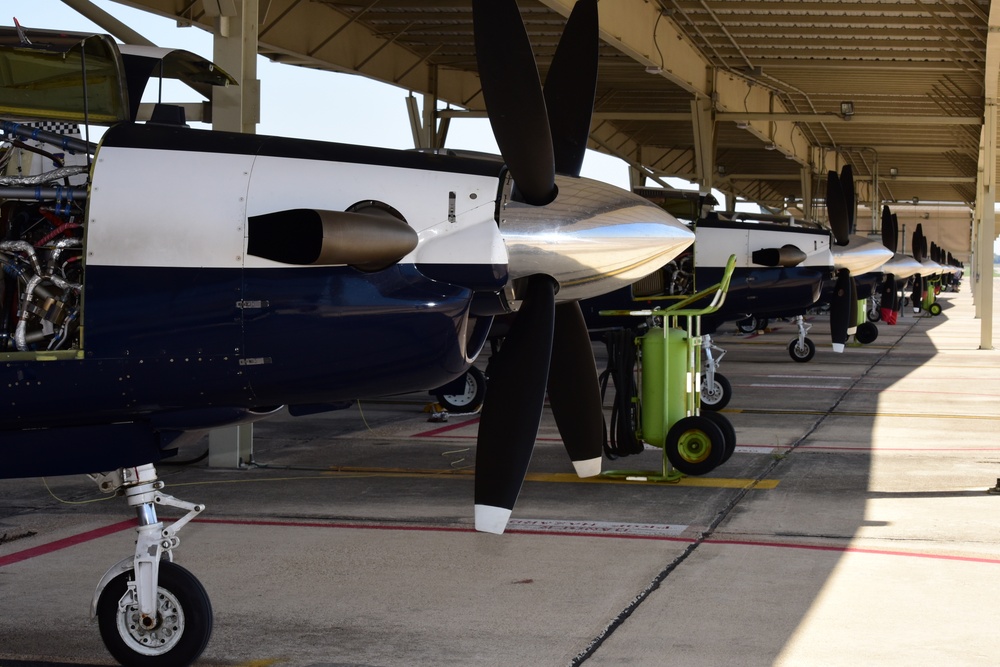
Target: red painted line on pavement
[
  {"x": 445, "y": 429},
  {"x": 869, "y": 449},
  {"x": 432, "y": 529},
  {"x": 66, "y": 542},
  {"x": 855, "y": 550},
  {"x": 74, "y": 540},
  {"x": 555, "y": 533}
]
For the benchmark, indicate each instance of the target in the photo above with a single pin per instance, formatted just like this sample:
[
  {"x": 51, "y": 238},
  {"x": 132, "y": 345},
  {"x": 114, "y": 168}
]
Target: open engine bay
[{"x": 43, "y": 185}]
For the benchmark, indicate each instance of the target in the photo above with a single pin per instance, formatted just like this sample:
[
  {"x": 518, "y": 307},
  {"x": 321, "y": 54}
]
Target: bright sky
[{"x": 296, "y": 101}]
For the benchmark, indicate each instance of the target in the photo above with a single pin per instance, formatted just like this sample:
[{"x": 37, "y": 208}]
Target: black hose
[{"x": 621, "y": 439}]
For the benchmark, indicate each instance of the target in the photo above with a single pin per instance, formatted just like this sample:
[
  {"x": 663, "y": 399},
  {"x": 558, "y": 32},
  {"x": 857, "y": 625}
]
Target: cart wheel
[
  {"x": 934, "y": 309},
  {"x": 801, "y": 353},
  {"x": 866, "y": 333},
  {"x": 728, "y": 432},
  {"x": 470, "y": 398},
  {"x": 717, "y": 396},
  {"x": 695, "y": 445}
]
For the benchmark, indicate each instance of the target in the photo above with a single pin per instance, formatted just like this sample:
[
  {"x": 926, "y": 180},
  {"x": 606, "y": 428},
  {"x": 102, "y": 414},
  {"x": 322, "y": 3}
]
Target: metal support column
[
  {"x": 703, "y": 126},
  {"x": 987, "y": 223},
  {"x": 234, "y": 109}
]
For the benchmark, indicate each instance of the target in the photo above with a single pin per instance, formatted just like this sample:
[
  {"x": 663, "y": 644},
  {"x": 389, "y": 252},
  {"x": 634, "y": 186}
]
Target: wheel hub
[
  {"x": 694, "y": 446},
  {"x": 152, "y": 635}
]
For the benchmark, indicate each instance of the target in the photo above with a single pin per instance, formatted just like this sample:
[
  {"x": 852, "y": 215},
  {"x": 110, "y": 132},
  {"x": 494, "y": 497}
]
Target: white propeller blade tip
[
  {"x": 491, "y": 519},
  {"x": 588, "y": 468},
  {"x": 838, "y": 347}
]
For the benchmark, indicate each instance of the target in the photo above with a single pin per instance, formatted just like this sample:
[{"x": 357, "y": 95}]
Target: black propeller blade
[
  {"x": 847, "y": 186},
  {"x": 890, "y": 300},
  {"x": 574, "y": 391},
  {"x": 513, "y": 95},
  {"x": 836, "y": 209},
  {"x": 918, "y": 243},
  {"x": 888, "y": 231},
  {"x": 509, "y": 420},
  {"x": 570, "y": 88},
  {"x": 840, "y": 310},
  {"x": 538, "y": 133}
]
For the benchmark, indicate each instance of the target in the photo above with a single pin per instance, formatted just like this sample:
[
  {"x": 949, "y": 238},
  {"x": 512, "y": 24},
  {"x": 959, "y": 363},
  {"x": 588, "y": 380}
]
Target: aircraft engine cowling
[{"x": 786, "y": 256}]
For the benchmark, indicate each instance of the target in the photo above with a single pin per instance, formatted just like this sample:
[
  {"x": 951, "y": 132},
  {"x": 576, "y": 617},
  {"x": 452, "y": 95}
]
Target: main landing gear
[{"x": 151, "y": 612}]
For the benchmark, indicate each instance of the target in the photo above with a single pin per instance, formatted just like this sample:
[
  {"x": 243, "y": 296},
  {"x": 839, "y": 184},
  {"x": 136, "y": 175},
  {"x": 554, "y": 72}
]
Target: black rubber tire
[
  {"x": 751, "y": 324},
  {"x": 695, "y": 445},
  {"x": 185, "y": 641},
  {"x": 934, "y": 308},
  {"x": 728, "y": 432},
  {"x": 866, "y": 333},
  {"x": 719, "y": 397},
  {"x": 800, "y": 355},
  {"x": 471, "y": 399},
  {"x": 874, "y": 315}
]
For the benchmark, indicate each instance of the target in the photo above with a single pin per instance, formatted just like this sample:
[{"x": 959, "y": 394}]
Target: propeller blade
[
  {"x": 836, "y": 209},
  {"x": 509, "y": 420},
  {"x": 852, "y": 321},
  {"x": 513, "y": 95},
  {"x": 917, "y": 295},
  {"x": 575, "y": 392},
  {"x": 889, "y": 298},
  {"x": 840, "y": 311},
  {"x": 570, "y": 87},
  {"x": 847, "y": 185},
  {"x": 895, "y": 231},
  {"x": 888, "y": 233},
  {"x": 919, "y": 246}
]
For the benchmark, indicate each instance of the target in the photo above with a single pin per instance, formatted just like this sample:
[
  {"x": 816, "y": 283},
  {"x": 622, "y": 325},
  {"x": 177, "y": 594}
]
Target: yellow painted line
[{"x": 567, "y": 477}]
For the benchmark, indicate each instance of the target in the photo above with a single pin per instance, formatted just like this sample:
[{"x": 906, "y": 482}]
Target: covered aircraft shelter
[{"x": 758, "y": 99}]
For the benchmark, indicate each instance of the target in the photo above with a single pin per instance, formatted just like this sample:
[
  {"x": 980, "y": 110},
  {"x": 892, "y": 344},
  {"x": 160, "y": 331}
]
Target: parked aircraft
[
  {"x": 199, "y": 279},
  {"x": 783, "y": 267}
]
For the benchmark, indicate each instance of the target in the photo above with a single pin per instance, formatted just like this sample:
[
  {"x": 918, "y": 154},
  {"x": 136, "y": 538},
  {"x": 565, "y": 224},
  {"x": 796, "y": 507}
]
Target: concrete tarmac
[{"x": 853, "y": 526}]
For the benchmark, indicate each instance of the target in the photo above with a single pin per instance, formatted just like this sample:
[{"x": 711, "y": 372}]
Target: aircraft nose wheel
[
  {"x": 470, "y": 398},
  {"x": 175, "y": 636},
  {"x": 801, "y": 352},
  {"x": 715, "y": 396}
]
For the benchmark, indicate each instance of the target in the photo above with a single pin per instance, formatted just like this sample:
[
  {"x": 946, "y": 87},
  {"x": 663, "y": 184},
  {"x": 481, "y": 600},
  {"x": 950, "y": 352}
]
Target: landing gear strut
[
  {"x": 802, "y": 349},
  {"x": 151, "y": 612},
  {"x": 715, "y": 387}
]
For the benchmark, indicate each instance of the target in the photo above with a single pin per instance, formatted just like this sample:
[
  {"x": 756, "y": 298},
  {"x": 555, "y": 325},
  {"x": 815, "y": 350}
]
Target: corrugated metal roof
[{"x": 772, "y": 72}]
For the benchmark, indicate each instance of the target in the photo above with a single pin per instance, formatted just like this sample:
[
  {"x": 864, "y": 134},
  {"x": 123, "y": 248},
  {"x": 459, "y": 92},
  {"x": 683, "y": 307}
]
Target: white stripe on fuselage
[
  {"x": 189, "y": 209},
  {"x": 714, "y": 245}
]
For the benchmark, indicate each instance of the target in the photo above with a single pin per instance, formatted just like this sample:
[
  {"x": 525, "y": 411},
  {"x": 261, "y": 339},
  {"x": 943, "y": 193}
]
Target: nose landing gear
[{"x": 151, "y": 612}]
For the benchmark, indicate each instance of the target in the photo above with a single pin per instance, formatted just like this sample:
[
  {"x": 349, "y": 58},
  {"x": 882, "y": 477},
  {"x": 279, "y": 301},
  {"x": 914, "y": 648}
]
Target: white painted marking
[
  {"x": 596, "y": 527},
  {"x": 798, "y": 386},
  {"x": 811, "y": 377},
  {"x": 753, "y": 449}
]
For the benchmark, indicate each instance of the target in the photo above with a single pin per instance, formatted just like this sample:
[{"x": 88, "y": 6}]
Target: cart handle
[{"x": 720, "y": 289}]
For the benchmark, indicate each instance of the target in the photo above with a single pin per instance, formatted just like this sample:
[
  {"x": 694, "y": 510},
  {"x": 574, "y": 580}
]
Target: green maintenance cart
[
  {"x": 932, "y": 286},
  {"x": 669, "y": 398}
]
